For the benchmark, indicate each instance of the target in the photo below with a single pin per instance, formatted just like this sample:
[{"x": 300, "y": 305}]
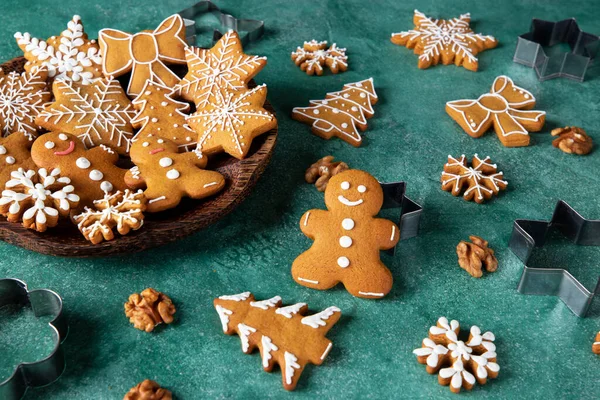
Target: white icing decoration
[
  {"x": 343, "y": 262},
  {"x": 173, "y": 174},
  {"x": 165, "y": 162},
  {"x": 290, "y": 310},
  {"x": 245, "y": 331},
  {"x": 485, "y": 340},
  {"x": 316, "y": 59},
  {"x": 448, "y": 328},
  {"x": 317, "y": 320},
  {"x": 308, "y": 281},
  {"x": 145, "y": 144},
  {"x": 372, "y": 294},
  {"x": 154, "y": 200},
  {"x": 106, "y": 186},
  {"x": 306, "y": 218},
  {"x": 349, "y": 203},
  {"x": 460, "y": 350},
  {"x": 432, "y": 351},
  {"x": 345, "y": 185},
  {"x": 345, "y": 241},
  {"x": 83, "y": 163},
  {"x": 63, "y": 136},
  {"x": 209, "y": 184},
  {"x": 361, "y": 188},
  {"x": 224, "y": 314},
  {"x": 266, "y": 304},
  {"x": 348, "y": 224},
  {"x": 326, "y": 351},
  {"x": 267, "y": 347},
  {"x": 393, "y": 233},
  {"x": 49, "y": 145},
  {"x": 10, "y": 160},
  {"x": 479, "y": 179},
  {"x": 96, "y": 175},
  {"x": 290, "y": 364},
  {"x": 236, "y": 297},
  {"x": 457, "y": 373},
  {"x": 2, "y": 150}
]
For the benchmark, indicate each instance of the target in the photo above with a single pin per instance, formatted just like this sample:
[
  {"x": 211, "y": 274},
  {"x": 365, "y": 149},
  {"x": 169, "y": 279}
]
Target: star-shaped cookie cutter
[
  {"x": 43, "y": 372},
  {"x": 528, "y": 234},
  {"x": 254, "y": 28},
  {"x": 410, "y": 212},
  {"x": 572, "y": 65}
]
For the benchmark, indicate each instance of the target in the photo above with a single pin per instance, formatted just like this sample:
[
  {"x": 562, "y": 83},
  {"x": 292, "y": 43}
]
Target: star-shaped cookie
[
  {"x": 231, "y": 120},
  {"x": 99, "y": 113},
  {"x": 225, "y": 66}
]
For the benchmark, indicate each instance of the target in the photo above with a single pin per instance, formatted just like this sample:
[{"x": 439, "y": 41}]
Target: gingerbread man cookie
[
  {"x": 169, "y": 175},
  {"x": 93, "y": 172},
  {"x": 15, "y": 153},
  {"x": 347, "y": 239}
]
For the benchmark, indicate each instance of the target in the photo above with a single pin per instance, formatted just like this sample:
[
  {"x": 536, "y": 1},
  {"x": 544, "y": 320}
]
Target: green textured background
[{"x": 543, "y": 349}]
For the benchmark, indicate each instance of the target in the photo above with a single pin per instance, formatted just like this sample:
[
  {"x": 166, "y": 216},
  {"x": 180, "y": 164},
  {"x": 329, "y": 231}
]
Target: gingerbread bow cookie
[
  {"x": 347, "y": 239},
  {"x": 144, "y": 54},
  {"x": 507, "y": 107}
]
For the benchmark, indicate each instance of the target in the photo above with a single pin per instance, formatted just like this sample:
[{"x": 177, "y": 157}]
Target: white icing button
[
  {"x": 345, "y": 185},
  {"x": 83, "y": 163},
  {"x": 49, "y": 145},
  {"x": 106, "y": 186},
  {"x": 154, "y": 119},
  {"x": 345, "y": 241},
  {"x": 62, "y": 136},
  {"x": 316, "y": 112},
  {"x": 160, "y": 141},
  {"x": 361, "y": 188},
  {"x": 344, "y": 125},
  {"x": 363, "y": 95},
  {"x": 173, "y": 174},
  {"x": 145, "y": 144},
  {"x": 96, "y": 175},
  {"x": 165, "y": 162},
  {"x": 348, "y": 224},
  {"x": 343, "y": 262},
  {"x": 10, "y": 160},
  {"x": 2, "y": 149}
]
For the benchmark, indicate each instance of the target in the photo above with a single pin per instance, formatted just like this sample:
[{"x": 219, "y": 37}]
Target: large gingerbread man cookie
[
  {"x": 168, "y": 175},
  {"x": 347, "y": 239},
  {"x": 15, "y": 153},
  {"x": 93, "y": 172}
]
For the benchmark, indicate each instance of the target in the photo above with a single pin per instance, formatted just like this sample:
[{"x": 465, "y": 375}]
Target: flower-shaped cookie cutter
[
  {"x": 528, "y": 234},
  {"x": 572, "y": 65},
  {"x": 410, "y": 212},
  {"x": 43, "y": 372},
  {"x": 254, "y": 28}
]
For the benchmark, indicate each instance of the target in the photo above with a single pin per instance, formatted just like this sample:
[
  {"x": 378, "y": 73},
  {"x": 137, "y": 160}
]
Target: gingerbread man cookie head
[
  {"x": 149, "y": 147},
  {"x": 55, "y": 144},
  {"x": 354, "y": 192}
]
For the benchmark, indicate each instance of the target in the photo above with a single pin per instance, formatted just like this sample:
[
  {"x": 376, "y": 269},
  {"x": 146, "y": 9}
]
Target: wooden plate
[{"x": 189, "y": 217}]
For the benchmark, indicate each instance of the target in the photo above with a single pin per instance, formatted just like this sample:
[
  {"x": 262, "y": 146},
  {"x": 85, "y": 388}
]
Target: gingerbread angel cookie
[
  {"x": 347, "y": 239},
  {"x": 93, "y": 172},
  {"x": 168, "y": 175},
  {"x": 15, "y": 153}
]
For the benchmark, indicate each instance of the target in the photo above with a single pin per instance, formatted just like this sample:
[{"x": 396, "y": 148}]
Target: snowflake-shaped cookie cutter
[
  {"x": 45, "y": 371},
  {"x": 572, "y": 64},
  {"x": 528, "y": 234},
  {"x": 254, "y": 28}
]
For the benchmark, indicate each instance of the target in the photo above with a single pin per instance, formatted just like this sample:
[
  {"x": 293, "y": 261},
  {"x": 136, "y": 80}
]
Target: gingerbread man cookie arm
[
  {"x": 389, "y": 233},
  {"x": 311, "y": 221},
  {"x": 104, "y": 152},
  {"x": 196, "y": 158},
  {"x": 134, "y": 179}
]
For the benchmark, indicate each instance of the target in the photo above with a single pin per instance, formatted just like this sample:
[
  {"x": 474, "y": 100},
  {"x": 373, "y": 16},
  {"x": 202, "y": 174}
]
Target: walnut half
[
  {"x": 148, "y": 390},
  {"x": 572, "y": 139},
  {"x": 323, "y": 170},
  {"x": 475, "y": 255},
  {"x": 148, "y": 309}
]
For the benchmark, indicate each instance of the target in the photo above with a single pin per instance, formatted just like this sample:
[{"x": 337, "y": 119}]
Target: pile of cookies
[{"x": 69, "y": 125}]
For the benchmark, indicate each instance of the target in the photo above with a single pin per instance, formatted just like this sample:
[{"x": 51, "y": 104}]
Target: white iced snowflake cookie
[
  {"x": 38, "y": 198},
  {"x": 478, "y": 182},
  {"x": 313, "y": 56}
]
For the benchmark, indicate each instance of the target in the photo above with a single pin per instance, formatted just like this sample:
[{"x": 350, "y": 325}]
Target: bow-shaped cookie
[
  {"x": 144, "y": 54},
  {"x": 507, "y": 107}
]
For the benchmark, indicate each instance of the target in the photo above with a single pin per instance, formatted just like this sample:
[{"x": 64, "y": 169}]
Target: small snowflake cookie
[
  {"x": 458, "y": 364},
  {"x": 445, "y": 41},
  {"x": 479, "y": 182},
  {"x": 341, "y": 113},
  {"x": 70, "y": 56},
  {"x": 284, "y": 335},
  {"x": 123, "y": 210},
  {"x": 313, "y": 56},
  {"x": 38, "y": 198},
  {"x": 22, "y": 98},
  {"x": 507, "y": 108}
]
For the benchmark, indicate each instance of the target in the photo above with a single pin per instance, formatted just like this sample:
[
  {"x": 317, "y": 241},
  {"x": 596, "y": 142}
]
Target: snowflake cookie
[
  {"x": 448, "y": 41},
  {"x": 507, "y": 107},
  {"x": 314, "y": 55},
  {"x": 22, "y": 98},
  {"x": 341, "y": 113},
  {"x": 457, "y": 363},
  {"x": 70, "y": 56},
  {"x": 37, "y": 198},
  {"x": 223, "y": 67},
  {"x": 480, "y": 181},
  {"x": 99, "y": 113},
  {"x": 123, "y": 210},
  {"x": 284, "y": 335}
]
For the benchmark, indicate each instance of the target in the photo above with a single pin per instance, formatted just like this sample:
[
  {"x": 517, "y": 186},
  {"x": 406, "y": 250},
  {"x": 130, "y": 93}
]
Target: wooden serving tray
[{"x": 160, "y": 228}]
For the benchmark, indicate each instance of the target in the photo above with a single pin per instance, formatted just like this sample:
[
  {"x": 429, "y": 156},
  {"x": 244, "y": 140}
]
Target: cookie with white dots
[
  {"x": 347, "y": 239},
  {"x": 168, "y": 175},
  {"x": 15, "y": 153},
  {"x": 93, "y": 172}
]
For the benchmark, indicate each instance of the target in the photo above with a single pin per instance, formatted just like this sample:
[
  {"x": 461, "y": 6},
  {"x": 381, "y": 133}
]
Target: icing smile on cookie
[
  {"x": 349, "y": 203},
  {"x": 156, "y": 151},
  {"x": 67, "y": 151}
]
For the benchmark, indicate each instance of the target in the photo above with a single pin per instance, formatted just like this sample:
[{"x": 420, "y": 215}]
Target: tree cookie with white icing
[
  {"x": 93, "y": 172},
  {"x": 347, "y": 239},
  {"x": 283, "y": 335},
  {"x": 168, "y": 175}
]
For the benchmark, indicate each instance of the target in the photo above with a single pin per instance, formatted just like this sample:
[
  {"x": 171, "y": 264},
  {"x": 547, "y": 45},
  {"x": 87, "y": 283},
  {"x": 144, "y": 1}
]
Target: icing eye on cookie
[
  {"x": 49, "y": 144},
  {"x": 62, "y": 136},
  {"x": 362, "y": 188},
  {"x": 145, "y": 144},
  {"x": 345, "y": 185}
]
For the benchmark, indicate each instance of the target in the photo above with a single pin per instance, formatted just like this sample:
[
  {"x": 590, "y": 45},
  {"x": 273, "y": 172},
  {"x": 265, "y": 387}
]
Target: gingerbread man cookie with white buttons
[
  {"x": 168, "y": 175},
  {"x": 93, "y": 172},
  {"x": 347, "y": 239},
  {"x": 15, "y": 153}
]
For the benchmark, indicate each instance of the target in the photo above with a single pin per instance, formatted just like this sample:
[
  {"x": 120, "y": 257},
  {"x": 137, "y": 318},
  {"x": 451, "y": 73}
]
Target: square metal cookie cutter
[
  {"x": 410, "y": 212},
  {"x": 528, "y": 234},
  {"x": 254, "y": 28},
  {"x": 572, "y": 65},
  {"x": 43, "y": 372}
]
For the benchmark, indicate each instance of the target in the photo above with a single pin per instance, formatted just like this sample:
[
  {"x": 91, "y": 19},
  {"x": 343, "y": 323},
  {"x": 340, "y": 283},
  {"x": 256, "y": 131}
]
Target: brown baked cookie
[
  {"x": 347, "y": 239},
  {"x": 92, "y": 172},
  {"x": 596, "y": 344},
  {"x": 169, "y": 175},
  {"x": 15, "y": 153}
]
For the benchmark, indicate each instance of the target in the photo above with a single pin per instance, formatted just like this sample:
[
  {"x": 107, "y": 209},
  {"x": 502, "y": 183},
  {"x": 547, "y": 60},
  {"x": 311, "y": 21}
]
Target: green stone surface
[{"x": 543, "y": 349}]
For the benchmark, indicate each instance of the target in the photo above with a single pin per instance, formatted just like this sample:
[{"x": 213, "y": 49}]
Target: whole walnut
[
  {"x": 474, "y": 256},
  {"x": 148, "y": 309},
  {"x": 323, "y": 170},
  {"x": 572, "y": 139},
  {"x": 148, "y": 390}
]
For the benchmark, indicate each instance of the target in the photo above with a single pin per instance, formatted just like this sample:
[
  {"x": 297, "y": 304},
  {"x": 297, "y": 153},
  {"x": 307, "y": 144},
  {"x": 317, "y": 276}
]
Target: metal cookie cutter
[
  {"x": 528, "y": 234},
  {"x": 254, "y": 29},
  {"x": 410, "y": 214},
  {"x": 571, "y": 65},
  {"x": 43, "y": 372}
]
